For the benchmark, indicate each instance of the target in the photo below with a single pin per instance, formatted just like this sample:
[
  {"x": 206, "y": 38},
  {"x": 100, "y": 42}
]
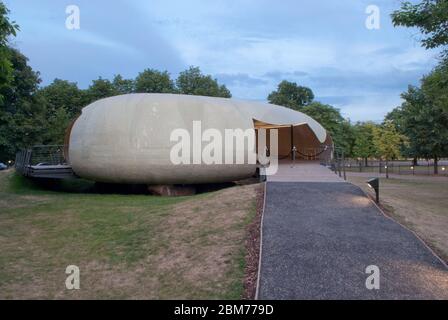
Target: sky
[{"x": 249, "y": 45}]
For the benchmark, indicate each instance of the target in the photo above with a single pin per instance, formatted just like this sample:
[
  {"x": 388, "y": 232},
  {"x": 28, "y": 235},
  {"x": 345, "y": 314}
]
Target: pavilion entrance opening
[{"x": 296, "y": 141}]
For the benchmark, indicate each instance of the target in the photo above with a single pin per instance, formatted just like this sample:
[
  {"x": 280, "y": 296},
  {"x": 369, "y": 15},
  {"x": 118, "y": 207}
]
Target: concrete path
[
  {"x": 319, "y": 237},
  {"x": 309, "y": 171}
]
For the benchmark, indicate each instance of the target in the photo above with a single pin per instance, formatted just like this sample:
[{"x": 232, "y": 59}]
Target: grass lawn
[
  {"x": 420, "y": 203},
  {"x": 126, "y": 246}
]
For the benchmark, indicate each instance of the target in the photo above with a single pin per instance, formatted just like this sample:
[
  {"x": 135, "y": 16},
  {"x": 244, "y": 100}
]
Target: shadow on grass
[{"x": 19, "y": 184}]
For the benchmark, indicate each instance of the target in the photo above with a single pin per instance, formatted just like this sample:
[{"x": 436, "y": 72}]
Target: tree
[
  {"x": 423, "y": 116},
  {"x": 289, "y": 94},
  {"x": 331, "y": 119},
  {"x": 192, "y": 81},
  {"x": 430, "y": 16},
  {"x": 435, "y": 86},
  {"x": 56, "y": 126},
  {"x": 7, "y": 28},
  {"x": 123, "y": 86},
  {"x": 64, "y": 94},
  {"x": 387, "y": 141},
  {"x": 99, "y": 89},
  {"x": 22, "y": 113},
  {"x": 406, "y": 148},
  {"x": 153, "y": 81},
  {"x": 344, "y": 138},
  {"x": 425, "y": 125},
  {"x": 63, "y": 101},
  {"x": 364, "y": 146}
]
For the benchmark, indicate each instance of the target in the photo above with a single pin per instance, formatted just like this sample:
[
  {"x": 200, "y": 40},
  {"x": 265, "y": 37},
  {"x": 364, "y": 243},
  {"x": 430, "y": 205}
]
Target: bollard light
[
  {"x": 374, "y": 183},
  {"x": 443, "y": 168}
]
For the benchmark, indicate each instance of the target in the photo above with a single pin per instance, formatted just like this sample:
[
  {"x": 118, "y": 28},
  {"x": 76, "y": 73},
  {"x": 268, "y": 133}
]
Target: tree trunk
[
  {"x": 365, "y": 162},
  {"x": 436, "y": 163},
  {"x": 414, "y": 161}
]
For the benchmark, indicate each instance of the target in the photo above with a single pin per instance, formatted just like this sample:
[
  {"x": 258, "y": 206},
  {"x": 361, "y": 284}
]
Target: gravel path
[{"x": 319, "y": 237}]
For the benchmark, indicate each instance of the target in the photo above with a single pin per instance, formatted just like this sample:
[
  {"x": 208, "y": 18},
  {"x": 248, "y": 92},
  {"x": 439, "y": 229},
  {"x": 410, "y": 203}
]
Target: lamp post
[
  {"x": 374, "y": 183},
  {"x": 387, "y": 170}
]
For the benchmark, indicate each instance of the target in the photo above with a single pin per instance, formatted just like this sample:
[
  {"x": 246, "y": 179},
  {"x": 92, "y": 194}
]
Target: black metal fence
[
  {"x": 398, "y": 168},
  {"x": 340, "y": 165}
]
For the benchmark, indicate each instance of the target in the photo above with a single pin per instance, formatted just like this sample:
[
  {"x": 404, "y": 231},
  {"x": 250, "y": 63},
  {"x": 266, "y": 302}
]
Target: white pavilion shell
[{"x": 126, "y": 139}]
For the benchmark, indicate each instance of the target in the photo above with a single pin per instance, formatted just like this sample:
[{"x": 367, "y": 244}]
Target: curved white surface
[
  {"x": 126, "y": 139},
  {"x": 278, "y": 115}
]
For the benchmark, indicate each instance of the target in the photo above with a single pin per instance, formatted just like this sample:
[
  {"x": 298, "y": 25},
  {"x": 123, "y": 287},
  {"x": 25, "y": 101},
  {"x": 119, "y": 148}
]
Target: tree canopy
[
  {"x": 430, "y": 16},
  {"x": 63, "y": 94},
  {"x": 154, "y": 81},
  {"x": 435, "y": 86},
  {"x": 364, "y": 146},
  {"x": 423, "y": 115},
  {"x": 7, "y": 29},
  {"x": 123, "y": 86},
  {"x": 192, "y": 81},
  {"x": 22, "y": 114},
  {"x": 424, "y": 124},
  {"x": 387, "y": 141},
  {"x": 291, "y": 95},
  {"x": 331, "y": 119},
  {"x": 101, "y": 88}
]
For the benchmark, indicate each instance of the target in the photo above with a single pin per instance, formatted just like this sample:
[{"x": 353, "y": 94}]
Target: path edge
[{"x": 257, "y": 290}]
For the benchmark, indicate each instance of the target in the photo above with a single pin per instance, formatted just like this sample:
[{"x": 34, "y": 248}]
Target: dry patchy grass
[
  {"x": 420, "y": 204},
  {"x": 126, "y": 246}
]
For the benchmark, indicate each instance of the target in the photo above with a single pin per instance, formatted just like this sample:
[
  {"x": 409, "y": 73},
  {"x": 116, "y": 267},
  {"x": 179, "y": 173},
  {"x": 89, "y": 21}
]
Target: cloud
[
  {"x": 369, "y": 107},
  {"x": 240, "y": 79},
  {"x": 364, "y": 81},
  {"x": 281, "y": 75},
  {"x": 248, "y": 45}
]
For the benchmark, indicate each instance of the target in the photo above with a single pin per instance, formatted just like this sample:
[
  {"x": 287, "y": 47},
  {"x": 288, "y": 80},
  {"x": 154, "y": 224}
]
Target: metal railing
[
  {"x": 322, "y": 153},
  {"x": 337, "y": 162},
  {"x": 39, "y": 155}
]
